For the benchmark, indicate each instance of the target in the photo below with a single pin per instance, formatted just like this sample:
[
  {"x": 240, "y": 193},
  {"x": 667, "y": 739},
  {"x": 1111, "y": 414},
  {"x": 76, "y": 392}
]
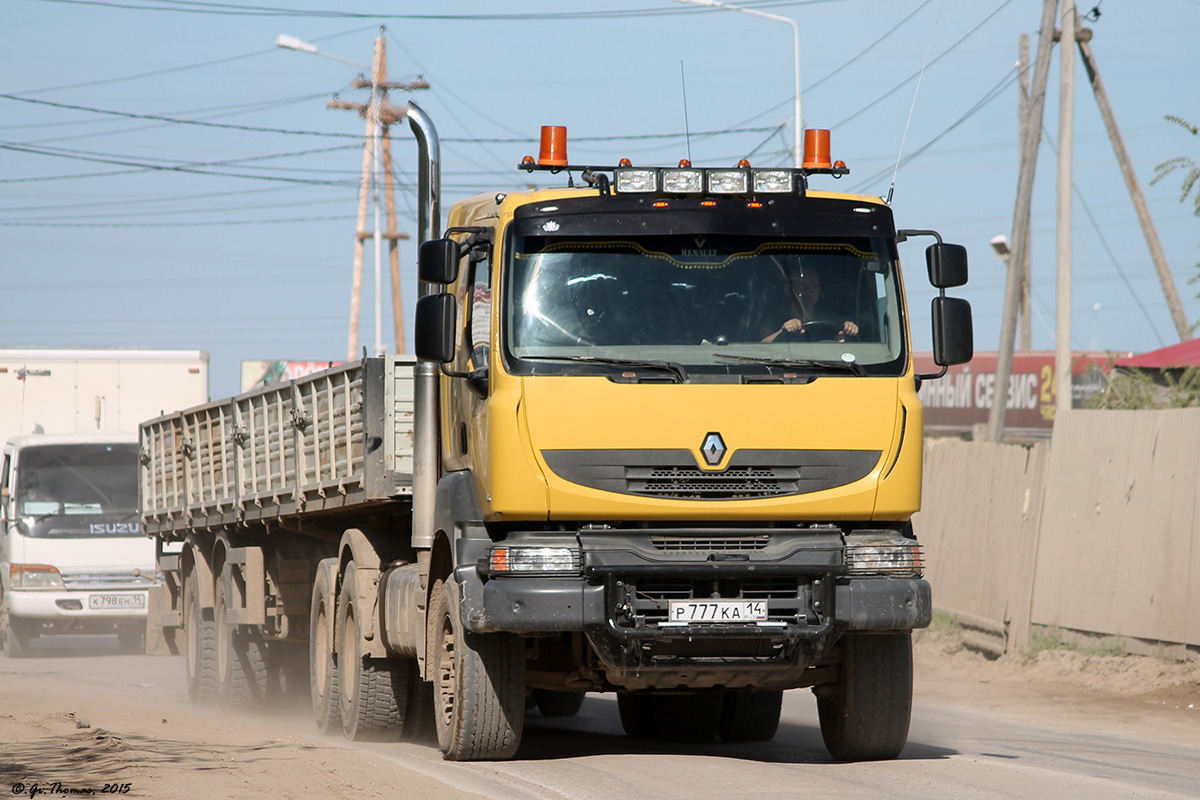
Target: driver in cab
[{"x": 804, "y": 287}]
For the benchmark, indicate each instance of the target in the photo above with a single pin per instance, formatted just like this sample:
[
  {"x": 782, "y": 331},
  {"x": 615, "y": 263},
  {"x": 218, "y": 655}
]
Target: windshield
[
  {"x": 709, "y": 304},
  {"x": 58, "y": 483}
]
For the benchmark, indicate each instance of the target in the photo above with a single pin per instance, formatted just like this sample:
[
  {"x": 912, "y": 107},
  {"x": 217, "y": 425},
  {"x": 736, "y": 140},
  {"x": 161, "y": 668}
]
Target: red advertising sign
[
  {"x": 963, "y": 397},
  {"x": 262, "y": 373}
]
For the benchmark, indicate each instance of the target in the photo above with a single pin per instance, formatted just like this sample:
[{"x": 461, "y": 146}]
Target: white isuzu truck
[{"x": 73, "y": 557}]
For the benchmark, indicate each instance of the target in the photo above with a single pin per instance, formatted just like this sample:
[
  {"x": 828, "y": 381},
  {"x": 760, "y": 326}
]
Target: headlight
[
  {"x": 636, "y": 180},
  {"x": 774, "y": 181},
  {"x": 682, "y": 181},
  {"x": 892, "y": 556},
  {"x": 528, "y": 560},
  {"x": 34, "y": 576},
  {"x": 728, "y": 181}
]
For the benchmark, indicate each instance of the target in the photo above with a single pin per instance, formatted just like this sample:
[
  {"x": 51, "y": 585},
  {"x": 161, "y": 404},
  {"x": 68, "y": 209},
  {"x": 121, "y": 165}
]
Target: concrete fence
[{"x": 1095, "y": 533}]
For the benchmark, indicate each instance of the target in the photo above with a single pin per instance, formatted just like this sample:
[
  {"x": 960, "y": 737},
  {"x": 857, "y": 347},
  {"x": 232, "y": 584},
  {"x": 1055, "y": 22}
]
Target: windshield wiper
[
  {"x": 799, "y": 363},
  {"x": 670, "y": 366}
]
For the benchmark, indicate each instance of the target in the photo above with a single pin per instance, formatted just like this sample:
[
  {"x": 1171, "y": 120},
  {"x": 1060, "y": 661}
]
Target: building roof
[{"x": 1184, "y": 354}]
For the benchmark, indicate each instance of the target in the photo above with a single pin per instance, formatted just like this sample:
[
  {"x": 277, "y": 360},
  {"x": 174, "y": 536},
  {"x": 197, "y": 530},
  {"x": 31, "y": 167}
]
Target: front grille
[
  {"x": 676, "y": 474},
  {"x": 647, "y": 601},
  {"x": 710, "y": 544},
  {"x": 694, "y": 484},
  {"x": 106, "y": 579}
]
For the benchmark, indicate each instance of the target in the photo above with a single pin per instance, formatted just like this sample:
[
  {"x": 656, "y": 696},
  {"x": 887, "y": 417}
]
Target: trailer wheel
[
  {"x": 200, "y": 645},
  {"x": 750, "y": 716},
  {"x": 322, "y": 667},
  {"x": 480, "y": 685},
  {"x": 557, "y": 704},
  {"x": 372, "y": 692},
  {"x": 691, "y": 718},
  {"x": 241, "y": 654},
  {"x": 637, "y": 715},
  {"x": 864, "y": 717}
]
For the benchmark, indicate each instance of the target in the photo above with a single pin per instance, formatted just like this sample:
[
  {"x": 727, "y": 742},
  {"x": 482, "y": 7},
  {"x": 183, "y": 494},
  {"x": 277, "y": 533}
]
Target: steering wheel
[{"x": 815, "y": 330}]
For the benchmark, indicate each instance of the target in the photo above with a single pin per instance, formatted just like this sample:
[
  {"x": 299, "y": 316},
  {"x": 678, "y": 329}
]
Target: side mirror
[
  {"x": 437, "y": 261},
  {"x": 434, "y": 326},
  {"x": 953, "y": 335},
  {"x": 947, "y": 265}
]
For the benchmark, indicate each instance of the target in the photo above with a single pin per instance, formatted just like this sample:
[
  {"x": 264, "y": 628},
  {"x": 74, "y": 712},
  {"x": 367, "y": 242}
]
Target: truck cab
[
  {"x": 73, "y": 559},
  {"x": 681, "y": 444}
]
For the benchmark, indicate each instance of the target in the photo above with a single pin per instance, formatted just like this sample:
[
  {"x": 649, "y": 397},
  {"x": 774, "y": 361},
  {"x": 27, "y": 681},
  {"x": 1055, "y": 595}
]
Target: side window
[
  {"x": 479, "y": 314},
  {"x": 4, "y": 491}
]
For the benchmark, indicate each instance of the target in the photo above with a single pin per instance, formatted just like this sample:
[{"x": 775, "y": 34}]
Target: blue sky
[{"x": 124, "y": 223}]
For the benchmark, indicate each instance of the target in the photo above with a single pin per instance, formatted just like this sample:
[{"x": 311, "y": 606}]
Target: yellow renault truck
[{"x": 661, "y": 440}]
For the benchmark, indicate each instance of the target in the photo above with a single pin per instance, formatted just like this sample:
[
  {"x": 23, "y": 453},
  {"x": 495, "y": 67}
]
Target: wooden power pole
[
  {"x": 379, "y": 115},
  {"x": 1030, "y": 136},
  {"x": 1019, "y": 254}
]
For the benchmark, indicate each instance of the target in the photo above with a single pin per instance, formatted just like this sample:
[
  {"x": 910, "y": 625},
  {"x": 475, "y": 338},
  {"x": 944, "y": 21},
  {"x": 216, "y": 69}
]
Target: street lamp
[
  {"x": 1000, "y": 245},
  {"x": 375, "y": 135},
  {"x": 796, "y": 47},
  {"x": 292, "y": 43}
]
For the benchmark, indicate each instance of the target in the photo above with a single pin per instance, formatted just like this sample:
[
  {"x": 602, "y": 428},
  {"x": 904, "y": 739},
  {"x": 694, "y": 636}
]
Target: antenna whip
[{"x": 920, "y": 75}]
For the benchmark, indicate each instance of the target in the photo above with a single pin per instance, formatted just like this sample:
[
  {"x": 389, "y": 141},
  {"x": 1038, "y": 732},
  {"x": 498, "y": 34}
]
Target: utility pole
[
  {"x": 1031, "y": 136},
  {"x": 1135, "y": 192},
  {"x": 1066, "y": 136},
  {"x": 1026, "y": 286},
  {"x": 379, "y": 115}
]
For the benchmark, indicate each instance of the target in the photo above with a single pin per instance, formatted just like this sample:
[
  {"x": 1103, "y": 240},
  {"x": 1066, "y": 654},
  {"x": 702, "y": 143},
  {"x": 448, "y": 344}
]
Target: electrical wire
[
  {"x": 229, "y": 9},
  {"x": 917, "y": 74}
]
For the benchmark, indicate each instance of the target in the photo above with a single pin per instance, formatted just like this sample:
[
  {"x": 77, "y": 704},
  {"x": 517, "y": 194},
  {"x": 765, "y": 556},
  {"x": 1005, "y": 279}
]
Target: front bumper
[
  {"x": 72, "y": 609},
  {"x": 621, "y": 602}
]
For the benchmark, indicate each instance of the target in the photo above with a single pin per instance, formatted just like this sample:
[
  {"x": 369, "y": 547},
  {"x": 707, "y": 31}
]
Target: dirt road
[{"x": 90, "y": 719}]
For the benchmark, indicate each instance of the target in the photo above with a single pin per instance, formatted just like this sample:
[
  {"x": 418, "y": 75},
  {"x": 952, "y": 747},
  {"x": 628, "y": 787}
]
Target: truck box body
[{"x": 95, "y": 389}]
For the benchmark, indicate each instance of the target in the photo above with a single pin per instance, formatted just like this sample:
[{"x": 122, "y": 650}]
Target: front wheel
[
  {"x": 479, "y": 685},
  {"x": 865, "y": 715}
]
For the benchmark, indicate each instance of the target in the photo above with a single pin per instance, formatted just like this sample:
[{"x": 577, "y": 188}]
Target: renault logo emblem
[{"x": 713, "y": 449}]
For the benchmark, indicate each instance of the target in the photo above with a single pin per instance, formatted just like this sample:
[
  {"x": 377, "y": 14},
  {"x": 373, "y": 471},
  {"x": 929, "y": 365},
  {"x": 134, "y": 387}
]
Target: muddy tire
[
  {"x": 372, "y": 692},
  {"x": 553, "y": 703},
  {"x": 322, "y": 666},
  {"x": 200, "y": 644},
  {"x": 637, "y": 715},
  {"x": 690, "y": 718},
  {"x": 750, "y": 716},
  {"x": 479, "y": 682},
  {"x": 241, "y": 654},
  {"x": 865, "y": 716}
]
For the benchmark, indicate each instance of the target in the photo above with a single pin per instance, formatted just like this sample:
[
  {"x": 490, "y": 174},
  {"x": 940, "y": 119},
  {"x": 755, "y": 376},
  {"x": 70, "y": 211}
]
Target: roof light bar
[
  {"x": 683, "y": 181},
  {"x": 728, "y": 181},
  {"x": 635, "y": 179}
]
